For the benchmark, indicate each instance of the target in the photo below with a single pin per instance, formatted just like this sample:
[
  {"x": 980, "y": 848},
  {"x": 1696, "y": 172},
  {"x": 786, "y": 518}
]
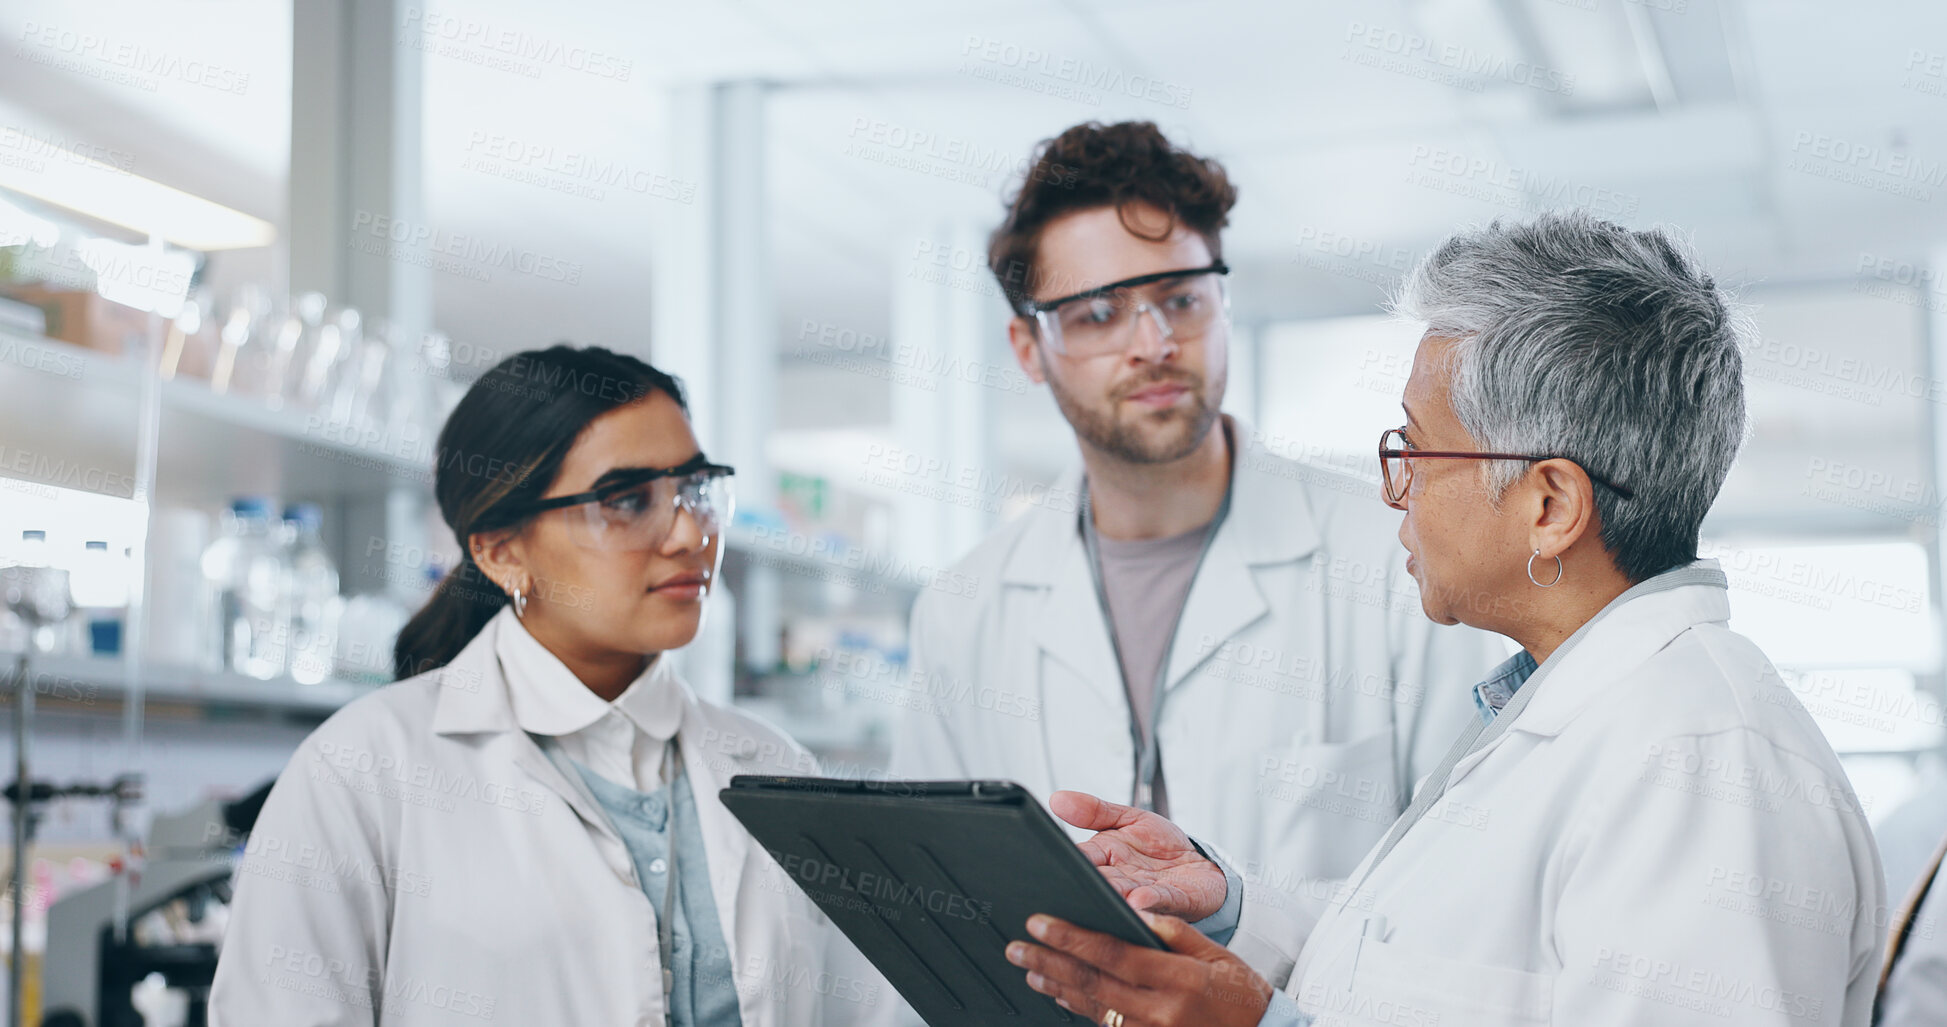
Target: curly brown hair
[{"x": 1095, "y": 165}]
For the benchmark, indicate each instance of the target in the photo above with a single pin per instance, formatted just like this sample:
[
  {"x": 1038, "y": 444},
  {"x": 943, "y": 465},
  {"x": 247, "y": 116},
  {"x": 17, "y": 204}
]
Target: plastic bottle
[
  {"x": 181, "y": 619},
  {"x": 100, "y": 588},
  {"x": 245, "y": 573},
  {"x": 311, "y": 600}
]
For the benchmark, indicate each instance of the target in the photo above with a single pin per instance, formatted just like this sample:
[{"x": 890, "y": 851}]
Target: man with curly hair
[{"x": 1191, "y": 624}]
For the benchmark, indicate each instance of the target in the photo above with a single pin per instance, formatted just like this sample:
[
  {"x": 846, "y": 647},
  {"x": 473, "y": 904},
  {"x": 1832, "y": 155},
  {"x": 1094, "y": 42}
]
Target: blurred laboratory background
[{"x": 252, "y": 251}]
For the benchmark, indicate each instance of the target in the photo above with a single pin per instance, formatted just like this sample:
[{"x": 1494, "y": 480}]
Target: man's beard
[{"x": 1127, "y": 440}]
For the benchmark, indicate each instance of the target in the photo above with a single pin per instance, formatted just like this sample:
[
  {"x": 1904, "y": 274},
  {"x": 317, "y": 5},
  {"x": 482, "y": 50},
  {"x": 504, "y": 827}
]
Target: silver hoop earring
[
  {"x": 520, "y": 603},
  {"x": 1558, "y": 571}
]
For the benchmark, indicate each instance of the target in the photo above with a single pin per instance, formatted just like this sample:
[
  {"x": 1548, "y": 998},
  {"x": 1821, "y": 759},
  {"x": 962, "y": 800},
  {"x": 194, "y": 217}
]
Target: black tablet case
[{"x": 932, "y": 879}]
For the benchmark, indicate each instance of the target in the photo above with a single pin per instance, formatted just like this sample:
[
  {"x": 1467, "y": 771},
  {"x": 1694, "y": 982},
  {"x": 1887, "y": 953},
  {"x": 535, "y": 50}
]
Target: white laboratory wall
[{"x": 1329, "y": 387}]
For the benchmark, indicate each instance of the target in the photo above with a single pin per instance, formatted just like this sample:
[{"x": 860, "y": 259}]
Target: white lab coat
[
  {"x": 1307, "y": 689},
  {"x": 1662, "y": 837},
  {"x": 422, "y": 861},
  {"x": 1916, "y": 992}
]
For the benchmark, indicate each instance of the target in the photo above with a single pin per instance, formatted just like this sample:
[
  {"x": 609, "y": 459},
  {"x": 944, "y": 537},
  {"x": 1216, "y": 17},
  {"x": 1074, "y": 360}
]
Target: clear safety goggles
[
  {"x": 636, "y": 509},
  {"x": 1184, "y": 305}
]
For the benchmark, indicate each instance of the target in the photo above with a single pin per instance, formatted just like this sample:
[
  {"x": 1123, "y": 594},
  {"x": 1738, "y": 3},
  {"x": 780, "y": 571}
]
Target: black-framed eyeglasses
[
  {"x": 635, "y": 509},
  {"x": 1396, "y": 465},
  {"x": 1184, "y": 303}
]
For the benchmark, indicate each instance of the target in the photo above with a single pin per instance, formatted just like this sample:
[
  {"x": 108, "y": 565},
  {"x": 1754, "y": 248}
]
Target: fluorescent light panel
[{"x": 107, "y": 193}]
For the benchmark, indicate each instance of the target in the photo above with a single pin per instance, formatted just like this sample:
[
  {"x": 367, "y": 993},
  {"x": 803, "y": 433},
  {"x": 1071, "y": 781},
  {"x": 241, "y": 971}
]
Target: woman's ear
[
  {"x": 1567, "y": 511},
  {"x": 499, "y": 555}
]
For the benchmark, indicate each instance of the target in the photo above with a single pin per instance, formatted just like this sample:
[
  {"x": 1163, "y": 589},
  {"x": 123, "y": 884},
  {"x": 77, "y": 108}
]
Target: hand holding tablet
[
  {"x": 1159, "y": 870},
  {"x": 933, "y": 880}
]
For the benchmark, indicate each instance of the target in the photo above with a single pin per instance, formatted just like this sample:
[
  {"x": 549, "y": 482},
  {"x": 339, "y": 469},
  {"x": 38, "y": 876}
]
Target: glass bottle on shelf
[
  {"x": 244, "y": 570},
  {"x": 337, "y": 339},
  {"x": 243, "y": 357},
  {"x": 359, "y": 386},
  {"x": 311, "y": 595},
  {"x": 296, "y": 343},
  {"x": 183, "y": 347}
]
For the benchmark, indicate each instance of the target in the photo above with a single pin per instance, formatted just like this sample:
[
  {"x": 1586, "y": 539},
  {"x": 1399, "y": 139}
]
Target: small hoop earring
[
  {"x": 520, "y": 603},
  {"x": 1558, "y": 571}
]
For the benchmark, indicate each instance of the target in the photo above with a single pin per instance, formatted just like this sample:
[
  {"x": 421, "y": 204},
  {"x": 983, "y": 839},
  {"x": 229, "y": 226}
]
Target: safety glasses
[
  {"x": 634, "y": 509},
  {"x": 1185, "y": 306}
]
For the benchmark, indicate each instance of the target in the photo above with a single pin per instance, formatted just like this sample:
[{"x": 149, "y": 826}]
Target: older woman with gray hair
[{"x": 1643, "y": 826}]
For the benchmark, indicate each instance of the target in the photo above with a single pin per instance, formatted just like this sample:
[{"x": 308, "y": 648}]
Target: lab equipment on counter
[
  {"x": 932, "y": 880},
  {"x": 178, "y": 904}
]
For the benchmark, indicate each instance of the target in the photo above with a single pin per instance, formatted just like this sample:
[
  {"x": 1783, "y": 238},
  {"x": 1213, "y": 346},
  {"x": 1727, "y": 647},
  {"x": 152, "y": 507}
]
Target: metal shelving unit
[
  {"x": 81, "y": 682},
  {"x": 72, "y": 418}
]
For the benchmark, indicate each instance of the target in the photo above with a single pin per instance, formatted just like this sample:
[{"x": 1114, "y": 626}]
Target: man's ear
[
  {"x": 500, "y": 557},
  {"x": 1566, "y": 513},
  {"x": 1021, "y": 338}
]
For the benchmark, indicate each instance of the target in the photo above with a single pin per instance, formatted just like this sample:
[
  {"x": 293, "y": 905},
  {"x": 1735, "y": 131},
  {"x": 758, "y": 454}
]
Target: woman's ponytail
[{"x": 462, "y": 604}]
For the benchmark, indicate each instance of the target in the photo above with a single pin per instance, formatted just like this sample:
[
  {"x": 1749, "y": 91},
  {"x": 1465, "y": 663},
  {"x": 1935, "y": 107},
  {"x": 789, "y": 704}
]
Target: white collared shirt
[{"x": 623, "y": 741}]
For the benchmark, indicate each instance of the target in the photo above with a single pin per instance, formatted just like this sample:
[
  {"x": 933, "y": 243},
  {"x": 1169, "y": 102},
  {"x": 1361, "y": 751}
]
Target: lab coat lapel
[
  {"x": 1223, "y": 600},
  {"x": 1269, "y": 521},
  {"x": 1629, "y": 634},
  {"x": 1616, "y": 645},
  {"x": 1069, "y": 625},
  {"x": 536, "y": 763},
  {"x": 473, "y": 699},
  {"x": 1069, "y": 666},
  {"x": 1580, "y": 672}
]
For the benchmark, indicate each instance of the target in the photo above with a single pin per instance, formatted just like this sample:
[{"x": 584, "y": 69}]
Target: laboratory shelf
[
  {"x": 78, "y": 683},
  {"x": 70, "y": 417},
  {"x": 846, "y": 566}
]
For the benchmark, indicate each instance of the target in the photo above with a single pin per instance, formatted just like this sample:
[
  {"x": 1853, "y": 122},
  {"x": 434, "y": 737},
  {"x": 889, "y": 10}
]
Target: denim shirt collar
[{"x": 1502, "y": 682}]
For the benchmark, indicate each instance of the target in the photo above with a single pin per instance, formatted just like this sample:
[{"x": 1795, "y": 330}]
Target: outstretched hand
[{"x": 1148, "y": 859}]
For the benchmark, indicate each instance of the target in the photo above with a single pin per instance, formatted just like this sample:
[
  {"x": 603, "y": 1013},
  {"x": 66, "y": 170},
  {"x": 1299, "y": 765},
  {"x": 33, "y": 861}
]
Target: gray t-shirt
[{"x": 1147, "y": 582}]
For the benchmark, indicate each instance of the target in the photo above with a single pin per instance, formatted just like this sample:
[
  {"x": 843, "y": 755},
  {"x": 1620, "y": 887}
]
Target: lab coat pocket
[
  {"x": 1335, "y": 799},
  {"x": 1430, "y": 989}
]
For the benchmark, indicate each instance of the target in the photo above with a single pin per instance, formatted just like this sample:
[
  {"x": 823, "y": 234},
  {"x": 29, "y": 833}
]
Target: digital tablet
[{"x": 932, "y": 879}]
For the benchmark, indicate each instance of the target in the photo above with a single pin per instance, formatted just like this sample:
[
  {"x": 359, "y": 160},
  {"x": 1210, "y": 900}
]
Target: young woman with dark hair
[{"x": 525, "y": 827}]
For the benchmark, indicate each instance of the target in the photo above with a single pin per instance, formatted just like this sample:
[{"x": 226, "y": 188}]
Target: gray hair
[{"x": 1579, "y": 338}]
